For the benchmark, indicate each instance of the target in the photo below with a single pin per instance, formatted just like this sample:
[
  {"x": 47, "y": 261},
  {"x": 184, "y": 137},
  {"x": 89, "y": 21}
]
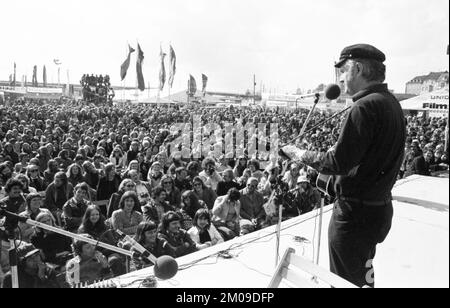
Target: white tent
[{"x": 436, "y": 103}]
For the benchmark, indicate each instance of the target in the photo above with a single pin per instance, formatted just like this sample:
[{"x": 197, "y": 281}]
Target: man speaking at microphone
[{"x": 366, "y": 160}]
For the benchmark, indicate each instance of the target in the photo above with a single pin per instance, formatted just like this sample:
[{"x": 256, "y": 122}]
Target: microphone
[
  {"x": 332, "y": 91},
  {"x": 165, "y": 267}
]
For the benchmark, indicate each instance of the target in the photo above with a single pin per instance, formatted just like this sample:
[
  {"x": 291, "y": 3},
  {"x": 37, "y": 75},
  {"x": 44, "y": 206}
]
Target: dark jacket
[
  {"x": 418, "y": 166},
  {"x": 38, "y": 184},
  {"x": 55, "y": 198},
  {"x": 223, "y": 187},
  {"x": 150, "y": 212},
  {"x": 370, "y": 148},
  {"x": 73, "y": 213},
  {"x": 51, "y": 245},
  {"x": 174, "y": 243},
  {"x": 107, "y": 188}
]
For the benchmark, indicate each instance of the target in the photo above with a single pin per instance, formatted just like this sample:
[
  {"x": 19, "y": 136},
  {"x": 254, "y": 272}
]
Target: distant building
[{"x": 428, "y": 83}]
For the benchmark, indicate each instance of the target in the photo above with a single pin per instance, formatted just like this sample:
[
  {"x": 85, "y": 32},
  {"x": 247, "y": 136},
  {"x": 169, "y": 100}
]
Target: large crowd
[{"x": 103, "y": 171}]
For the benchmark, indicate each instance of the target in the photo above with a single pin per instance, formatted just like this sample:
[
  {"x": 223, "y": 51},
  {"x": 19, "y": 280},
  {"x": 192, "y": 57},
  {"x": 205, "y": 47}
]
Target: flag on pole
[
  {"x": 162, "y": 71},
  {"x": 173, "y": 65},
  {"x": 192, "y": 85},
  {"x": 204, "y": 82},
  {"x": 139, "y": 62},
  {"x": 126, "y": 64},
  {"x": 44, "y": 76}
]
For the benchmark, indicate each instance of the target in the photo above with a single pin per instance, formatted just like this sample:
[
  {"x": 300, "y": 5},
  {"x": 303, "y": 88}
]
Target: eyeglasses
[{"x": 130, "y": 185}]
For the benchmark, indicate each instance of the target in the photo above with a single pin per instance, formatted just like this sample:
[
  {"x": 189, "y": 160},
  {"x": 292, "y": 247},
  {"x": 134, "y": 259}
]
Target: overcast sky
[{"x": 286, "y": 43}]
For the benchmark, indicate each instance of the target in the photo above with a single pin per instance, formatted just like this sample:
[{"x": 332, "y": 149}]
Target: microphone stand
[
  {"x": 13, "y": 255},
  {"x": 280, "y": 210}
]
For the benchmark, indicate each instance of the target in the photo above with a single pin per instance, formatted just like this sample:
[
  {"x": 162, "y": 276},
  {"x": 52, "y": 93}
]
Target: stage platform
[{"x": 415, "y": 254}]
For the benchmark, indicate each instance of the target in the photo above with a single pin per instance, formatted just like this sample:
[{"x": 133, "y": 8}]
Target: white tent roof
[{"x": 436, "y": 100}]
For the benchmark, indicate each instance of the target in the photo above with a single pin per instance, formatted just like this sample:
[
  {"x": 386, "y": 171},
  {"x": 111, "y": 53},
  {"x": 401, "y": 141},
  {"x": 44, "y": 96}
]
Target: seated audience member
[
  {"x": 155, "y": 209},
  {"x": 228, "y": 182},
  {"x": 51, "y": 171},
  {"x": 147, "y": 237},
  {"x": 88, "y": 265},
  {"x": 55, "y": 248},
  {"x": 209, "y": 174},
  {"x": 109, "y": 184},
  {"x": 204, "y": 193},
  {"x": 173, "y": 193},
  {"x": 36, "y": 181},
  {"x": 126, "y": 218},
  {"x": 34, "y": 208},
  {"x": 226, "y": 214},
  {"x": 142, "y": 188},
  {"x": 193, "y": 170},
  {"x": 26, "y": 184},
  {"x": 33, "y": 273},
  {"x": 254, "y": 166},
  {"x": 75, "y": 207},
  {"x": 91, "y": 175},
  {"x": 181, "y": 182},
  {"x": 57, "y": 194},
  {"x": 291, "y": 176},
  {"x": 94, "y": 224},
  {"x": 14, "y": 202},
  {"x": 306, "y": 197},
  {"x": 241, "y": 165},
  {"x": 176, "y": 241},
  {"x": 75, "y": 174},
  {"x": 190, "y": 204},
  {"x": 203, "y": 232},
  {"x": 252, "y": 211},
  {"x": 155, "y": 175},
  {"x": 113, "y": 204}
]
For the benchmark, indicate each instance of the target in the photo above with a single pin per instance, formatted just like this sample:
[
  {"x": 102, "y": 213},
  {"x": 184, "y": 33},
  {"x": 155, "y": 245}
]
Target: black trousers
[{"x": 353, "y": 234}]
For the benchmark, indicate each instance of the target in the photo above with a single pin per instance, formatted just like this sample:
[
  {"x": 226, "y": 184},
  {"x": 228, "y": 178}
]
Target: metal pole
[
  {"x": 13, "y": 264},
  {"x": 280, "y": 218}
]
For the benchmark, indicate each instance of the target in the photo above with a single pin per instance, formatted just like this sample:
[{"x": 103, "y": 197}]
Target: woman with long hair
[
  {"x": 147, "y": 237},
  {"x": 126, "y": 218},
  {"x": 173, "y": 193},
  {"x": 203, "y": 232},
  {"x": 113, "y": 204},
  {"x": 117, "y": 159},
  {"x": 26, "y": 184},
  {"x": 155, "y": 175},
  {"x": 94, "y": 224},
  {"x": 190, "y": 204},
  {"x": 203, "y": 192},
  {"x": 75, "y": 174}
]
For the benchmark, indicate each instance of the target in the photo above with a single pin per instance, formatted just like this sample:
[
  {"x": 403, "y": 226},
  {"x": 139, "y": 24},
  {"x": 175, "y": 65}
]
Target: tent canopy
[
  {"x": 436, "y": 103},
  {"x": 432, "y": 100}
]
